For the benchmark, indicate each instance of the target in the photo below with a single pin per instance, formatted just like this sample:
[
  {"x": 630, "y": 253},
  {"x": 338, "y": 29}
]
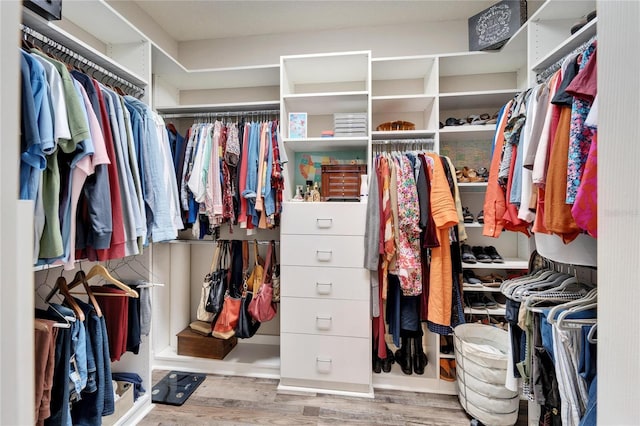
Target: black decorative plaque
[{"x": 493, "y": 27}]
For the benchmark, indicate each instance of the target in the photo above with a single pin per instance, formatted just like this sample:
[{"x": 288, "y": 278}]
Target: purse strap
[
  {"x": 266, "y": 273},
  {"x": 216, "y": 257},
  {"x": 245, "y": 266},
  {"x": 256, "y": 262}
]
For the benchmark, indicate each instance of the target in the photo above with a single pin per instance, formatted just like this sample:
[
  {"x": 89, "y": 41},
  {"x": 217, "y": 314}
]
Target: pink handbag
[{"x": 262, "y": 307}]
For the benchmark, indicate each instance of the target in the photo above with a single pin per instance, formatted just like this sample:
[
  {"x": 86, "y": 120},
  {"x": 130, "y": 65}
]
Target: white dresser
[{"x": 325, "y": 321}]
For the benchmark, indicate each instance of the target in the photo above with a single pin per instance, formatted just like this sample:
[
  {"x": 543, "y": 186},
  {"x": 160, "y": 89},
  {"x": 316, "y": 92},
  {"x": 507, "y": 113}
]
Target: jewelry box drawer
[
  {"x": 326, "y": 251},
  {"x": 325, "y": 358},
  {"x": 323, "y": 218},
  {"x": 349, "y": 318},
  {"x": 325, "y": 283}
]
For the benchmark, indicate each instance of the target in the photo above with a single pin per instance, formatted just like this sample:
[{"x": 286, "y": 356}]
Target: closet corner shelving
[{"x": 101, "y": 35}]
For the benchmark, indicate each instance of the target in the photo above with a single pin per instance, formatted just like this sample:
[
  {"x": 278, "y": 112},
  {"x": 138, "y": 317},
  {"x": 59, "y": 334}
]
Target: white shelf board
[
  {"x": 141, "y": 407},
  {"x": 488, "y": 99},
  {"x": 470, "y": 288},
  {"x": 402, "y": 68},
  {"x": 561, "y": 10},
  {"x": 54, "y": 32},
  {"x": 327, "y": 103},
  {"x": 245, "y": 359},
  {"x": 484, "y": 311},
  {"x": 467, "y": 133},
  {"x": 473, "y": 225},
  {"x": 326, "y": 68},
  {"x": 327, "y": 144},
  {"x": 169, "y": 69},
  {"x": 406, "y": 103},
  {"x": 509, "y": 263},
  {"x": 102, "y": 21},
  {"x": 378, "y": 135},
  {"x": 204, "y": 108},
  {"x": 568, "y": 45},
  {"x": 472, "y": 186},
  {"x": 447, "y": 356},
  {"x": 512, "y": 59}
]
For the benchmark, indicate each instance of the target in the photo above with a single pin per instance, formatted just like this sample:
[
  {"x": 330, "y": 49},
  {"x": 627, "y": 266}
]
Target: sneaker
[
  {"x": 481, "y": 256},
  {"x": 493, "y": 254},
  {"x": 467, "y": 254},
  {"x": 469, "y": 278}
]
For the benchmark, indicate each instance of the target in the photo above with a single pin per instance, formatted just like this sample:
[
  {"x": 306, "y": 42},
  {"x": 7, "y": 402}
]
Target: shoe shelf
[
  {"x": 509, "y": 263},
  {"x": 469, "y": 132},
  {"x": 448, "y": 356},
  {"x": 485, "y": 311},
  {"x": 474, "y": 225},
  {"x": 480, "y": 288},
  {"x": 472, "y": 186},
  {"x": 581, "y": 36},
  {"x": 327, "y": 144}
]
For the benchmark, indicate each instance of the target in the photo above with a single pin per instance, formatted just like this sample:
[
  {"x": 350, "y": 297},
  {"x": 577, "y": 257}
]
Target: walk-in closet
[{"x": 320, "y": 204}]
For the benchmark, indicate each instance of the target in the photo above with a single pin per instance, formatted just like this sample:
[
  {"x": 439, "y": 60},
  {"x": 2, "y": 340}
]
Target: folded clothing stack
[{"x": 350, "y": 124}]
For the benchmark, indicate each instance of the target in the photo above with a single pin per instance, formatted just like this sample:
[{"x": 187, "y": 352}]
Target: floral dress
[{"x": 408, "y": 263}]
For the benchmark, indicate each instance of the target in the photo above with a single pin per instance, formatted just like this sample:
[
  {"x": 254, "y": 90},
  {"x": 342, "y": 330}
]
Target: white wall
[
  {"x": 618, "y": 213},
  {"x": 384, "y": 41}
]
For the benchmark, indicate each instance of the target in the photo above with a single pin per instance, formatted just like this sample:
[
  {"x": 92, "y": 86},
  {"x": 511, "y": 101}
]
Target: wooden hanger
[
  {"x": 101, "y": 271},
  {"x": 81, "y": 278},
  {"x": 61, "y": 286}
]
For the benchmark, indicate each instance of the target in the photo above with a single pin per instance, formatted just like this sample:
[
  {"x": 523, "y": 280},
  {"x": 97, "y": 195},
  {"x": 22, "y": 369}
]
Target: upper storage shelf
[
  {"x": 404, "y": 76},
  {"x": 325, "y": 73},
  {"x": 103, "y": 45}
]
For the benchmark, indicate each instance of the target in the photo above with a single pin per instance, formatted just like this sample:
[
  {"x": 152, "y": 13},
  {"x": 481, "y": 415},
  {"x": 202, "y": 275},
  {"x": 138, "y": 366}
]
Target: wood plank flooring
[{"x": 229, "y": 400}]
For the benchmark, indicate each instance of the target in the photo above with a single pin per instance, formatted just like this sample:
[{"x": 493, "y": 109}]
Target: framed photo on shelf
[{"x": 297, "y": 125}]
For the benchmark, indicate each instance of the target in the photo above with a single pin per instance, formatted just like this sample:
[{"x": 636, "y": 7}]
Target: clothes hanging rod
[
  {"x": 215, "y": 114},
  {"x": 551, "y": 69},
  {"x": 112, "y": 78},
  {"x": 402, "y": 141},
  {"x": 209, "y": 242}
]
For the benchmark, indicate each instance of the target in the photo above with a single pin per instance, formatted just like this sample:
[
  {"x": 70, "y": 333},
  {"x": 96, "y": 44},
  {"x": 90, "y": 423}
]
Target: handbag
[
  {"x": 247, "y": 326},
  {"x": 262, "y": 308},
  {"x": 255, "y": 277},
  {"x": 219, "y": 278},
  {"x": 225, "y": 326},
  {"x": 201, "y": 312}
]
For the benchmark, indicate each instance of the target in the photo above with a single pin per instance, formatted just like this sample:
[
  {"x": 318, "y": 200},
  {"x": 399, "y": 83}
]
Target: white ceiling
[{"x": 186, "y": 20}]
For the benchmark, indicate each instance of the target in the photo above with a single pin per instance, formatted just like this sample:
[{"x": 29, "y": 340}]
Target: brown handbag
[
  {"x": 225, "y": 326},
  {"x": 262, "y": 308}
]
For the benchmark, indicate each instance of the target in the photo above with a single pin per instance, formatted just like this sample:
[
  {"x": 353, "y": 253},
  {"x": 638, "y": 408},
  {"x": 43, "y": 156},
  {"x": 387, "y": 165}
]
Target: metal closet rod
[
  {"x": 215, "y": 114},
  {"x": 551, "y": 69},
  {"x": 402, "y": 141},
  {"x": 125, "y": 84}
]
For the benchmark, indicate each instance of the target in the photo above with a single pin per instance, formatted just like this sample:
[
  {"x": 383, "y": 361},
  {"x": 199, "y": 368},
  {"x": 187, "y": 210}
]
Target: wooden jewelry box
[{"x": 341, "y": 182}]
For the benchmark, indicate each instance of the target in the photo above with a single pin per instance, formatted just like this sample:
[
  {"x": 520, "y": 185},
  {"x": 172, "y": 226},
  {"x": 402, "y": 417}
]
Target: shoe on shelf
[
  {"x": 500, "y": 299},
  {"x": 446, "y": 344},
  {"x": 448, "y": 369},
  {"x": 467, "y": 254},
  {"x": 480, "y": 217},
  {"x": 493, "y": 254},
  {"x": 466, "y": 215},
  {"x": 388, "y": 361},
  {"x": 469, "y": 277},
  {"x": 474, "y": 300},
  {"x": 481, "y": 256},
  {"x": 489, "y": 301}
]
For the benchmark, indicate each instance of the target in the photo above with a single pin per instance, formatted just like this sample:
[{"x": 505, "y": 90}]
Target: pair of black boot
[
  {"x": 411, "y": 356},
  {"x": 380, "y": 364}
]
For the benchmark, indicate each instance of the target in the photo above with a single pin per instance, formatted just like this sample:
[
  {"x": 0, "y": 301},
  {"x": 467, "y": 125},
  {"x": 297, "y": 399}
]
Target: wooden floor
[{"x": 228, "y": 400}]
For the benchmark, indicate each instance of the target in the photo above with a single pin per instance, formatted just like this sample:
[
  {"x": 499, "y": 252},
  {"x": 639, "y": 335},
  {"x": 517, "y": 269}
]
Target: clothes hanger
[
  {"x": 81, "y": 278},
  {"x": 590, "y": 297},
  {"x": 67, "y": 320},
  {"x": 562, "y": 320},
  {"x": 101, "y": 271},
  {"x": 61, "y": 286}
]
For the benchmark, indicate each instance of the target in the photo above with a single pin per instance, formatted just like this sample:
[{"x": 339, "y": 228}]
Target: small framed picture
[{"x": 297, "y": 125}]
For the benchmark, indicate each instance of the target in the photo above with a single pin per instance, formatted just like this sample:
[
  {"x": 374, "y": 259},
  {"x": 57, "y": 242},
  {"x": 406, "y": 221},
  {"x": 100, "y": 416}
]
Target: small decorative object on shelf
[
  {"x": 297, "y": 125},
  {"x": 395, "y": 125}
]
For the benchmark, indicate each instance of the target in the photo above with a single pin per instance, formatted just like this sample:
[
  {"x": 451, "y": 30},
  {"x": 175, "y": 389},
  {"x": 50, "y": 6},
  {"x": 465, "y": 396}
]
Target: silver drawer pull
[
  {"x": 324, "y": 255},
  {"x": 323, "y": 323},
  {"x": 324, "y": 223},
  {"x": 318, "y": 318},
  {"x": 326, "y": 360},
  {"x": 323, "y": 288}
]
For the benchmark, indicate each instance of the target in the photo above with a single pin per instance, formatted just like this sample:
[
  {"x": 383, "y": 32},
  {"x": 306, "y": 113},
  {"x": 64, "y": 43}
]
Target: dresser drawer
[
  {"x": 330, "y": 251},
  {"x": 325, "y": 358},
  {"x": 349, "y": 318},
  {"x": 325, "y": 283},
  {"x": 323, "y": 218}
]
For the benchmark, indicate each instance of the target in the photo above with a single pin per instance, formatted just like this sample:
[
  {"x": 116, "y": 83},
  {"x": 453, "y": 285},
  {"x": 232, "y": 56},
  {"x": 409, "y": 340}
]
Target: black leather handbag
[
  {"x": 218, "y": 278},
  {"x": 247, "y": 326}
]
